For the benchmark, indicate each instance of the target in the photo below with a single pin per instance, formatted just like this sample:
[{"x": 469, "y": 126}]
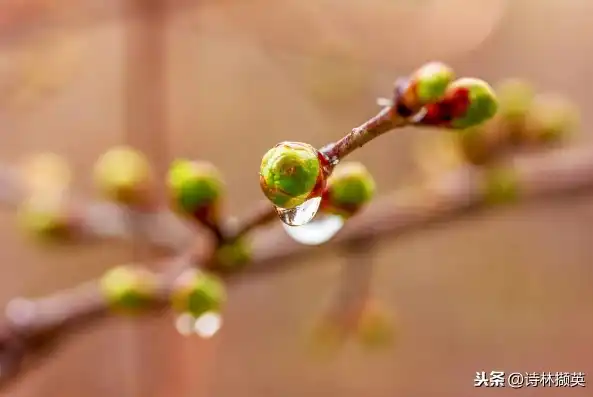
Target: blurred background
[{"x": 508, "y": 290}]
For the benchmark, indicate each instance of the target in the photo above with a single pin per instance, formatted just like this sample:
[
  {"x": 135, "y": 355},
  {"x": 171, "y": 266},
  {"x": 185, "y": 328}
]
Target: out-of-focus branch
[
  {"x": 456, "y": 193},
  {"x": 31, "y": 327}
]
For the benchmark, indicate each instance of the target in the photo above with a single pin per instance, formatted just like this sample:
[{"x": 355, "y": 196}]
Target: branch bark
[{"x": 31, "y": 328}]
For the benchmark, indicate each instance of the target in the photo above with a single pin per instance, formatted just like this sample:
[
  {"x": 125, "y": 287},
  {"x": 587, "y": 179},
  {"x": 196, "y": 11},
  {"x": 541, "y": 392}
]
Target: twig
[
  {"x": 540, "y": 175},
  {"x": 31, "y": 326},
  {"x": 403, "y": 109},
  {"x": 384, "y": 121},
  {"x": 261, "y": 215}
]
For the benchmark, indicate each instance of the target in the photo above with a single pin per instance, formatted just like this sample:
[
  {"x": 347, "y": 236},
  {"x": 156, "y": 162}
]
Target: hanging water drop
[
  {"x": 319, "y": 231},
  {"x": 208, "y": 324},
  {"x": 184, "y": 324},
  {"x": 301, "y": 214}
]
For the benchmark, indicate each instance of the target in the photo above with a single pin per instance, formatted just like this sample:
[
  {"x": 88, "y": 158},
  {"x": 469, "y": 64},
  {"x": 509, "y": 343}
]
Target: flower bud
[
  {"x": 349, "y": 188},
  {"x": 196, "y": 188},
  {"x": 196, "y": 292},
  {"x": 129, "y": 288},
  {"x": 467, "y": 102},
  {"x": 482, "y": 104},
  {"x": 431, "y": 81},
  {"x": 123, "y": 175},
  {"x": 291, "y": 173}
]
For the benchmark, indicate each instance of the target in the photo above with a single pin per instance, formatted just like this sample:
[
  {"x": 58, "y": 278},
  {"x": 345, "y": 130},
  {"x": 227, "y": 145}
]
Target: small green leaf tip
[
  {"x": 551, "y": 119},
  {"x": 483, "y": 103},
  {"x": 289, "y": 173},
  {"x": 194, "y": 186},
  {"x": 432, "y": 80},
  {"x": 349, "y": 188},
  {"x": 515, "y": 97},
  {"x": 196, "y": 292},
  {"x": 128, "y": 288},
  {"x": 123, "y": 174}
]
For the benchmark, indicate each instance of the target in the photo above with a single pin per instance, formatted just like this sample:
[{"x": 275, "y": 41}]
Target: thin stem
[
  {"x": 403, "y": 110},
  {"x": 262, "y": 215},
  {"x": 383, "y": 122},
  {"x": 25, "y": 334}
]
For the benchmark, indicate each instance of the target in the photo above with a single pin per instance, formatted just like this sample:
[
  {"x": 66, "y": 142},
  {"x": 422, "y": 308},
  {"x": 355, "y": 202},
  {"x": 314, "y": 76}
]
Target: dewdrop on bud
[
  {"x": 431, "y": 81},
  {"x": 196, "y": 189},
  {"x": 123, "y": 174},
  {"x": 348, "y": 189},
  {"x": 292, "y": 177},
  {"x": 289, "y": 173}
]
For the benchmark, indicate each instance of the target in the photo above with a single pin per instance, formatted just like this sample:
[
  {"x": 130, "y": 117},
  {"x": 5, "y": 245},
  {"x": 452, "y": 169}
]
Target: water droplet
[
  {"x": 208, "y": 324},
  {"x": 184, "y": 324},
  {"x": 317, "y": 232},
  {"x": 301, "y": 214}
]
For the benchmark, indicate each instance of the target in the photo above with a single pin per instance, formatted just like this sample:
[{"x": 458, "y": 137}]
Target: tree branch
[{"x": 31, "y": 328}]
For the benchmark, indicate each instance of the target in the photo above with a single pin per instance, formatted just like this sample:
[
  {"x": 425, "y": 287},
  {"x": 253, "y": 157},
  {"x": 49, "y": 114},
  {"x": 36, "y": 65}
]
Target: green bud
[
  {"x": 482, "y": 102},
  {"x": 551, "y": 119},
  {"x": 195, "y": 186},
  {"x": 197, "y": 292},
  {"x": 501, "y": 185},
  {"x": 431, "y": 81},
  {"x": 289, "y": 173},
  {"x": 515, "y": 98},
  {"x": 350, "y": 187},
  {"x": 232, "y": 256},
  {"x": 129, "y": 288},
  {"x": 123, "y": 174}
]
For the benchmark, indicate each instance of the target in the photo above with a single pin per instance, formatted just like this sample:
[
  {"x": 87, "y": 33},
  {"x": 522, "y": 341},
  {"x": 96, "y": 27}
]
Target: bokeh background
[{"x": 508, "y": 290}]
